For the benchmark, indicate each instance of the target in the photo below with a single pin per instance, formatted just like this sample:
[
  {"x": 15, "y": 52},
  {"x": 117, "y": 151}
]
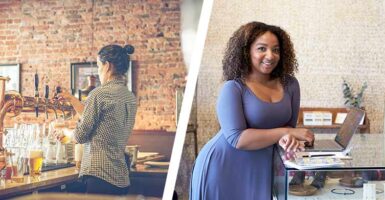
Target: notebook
[{"x": 344, "y": 135}]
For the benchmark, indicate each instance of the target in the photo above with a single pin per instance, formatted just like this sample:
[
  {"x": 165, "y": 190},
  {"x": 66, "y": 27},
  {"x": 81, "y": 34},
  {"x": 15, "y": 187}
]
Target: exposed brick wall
[{"x": 49, "y": 35}]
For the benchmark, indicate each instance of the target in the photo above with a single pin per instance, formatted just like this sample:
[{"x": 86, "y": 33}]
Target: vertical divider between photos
[{"x": 188, "y": 98}]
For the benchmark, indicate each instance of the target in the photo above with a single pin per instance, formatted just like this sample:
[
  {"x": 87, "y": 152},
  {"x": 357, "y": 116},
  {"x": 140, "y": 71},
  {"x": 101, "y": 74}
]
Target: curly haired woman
[{"x": 257, "y": 107}]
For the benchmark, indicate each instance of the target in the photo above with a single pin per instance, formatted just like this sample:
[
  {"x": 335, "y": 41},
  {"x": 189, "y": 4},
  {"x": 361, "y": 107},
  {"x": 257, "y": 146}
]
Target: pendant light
[{"x": 91, "y": 78}]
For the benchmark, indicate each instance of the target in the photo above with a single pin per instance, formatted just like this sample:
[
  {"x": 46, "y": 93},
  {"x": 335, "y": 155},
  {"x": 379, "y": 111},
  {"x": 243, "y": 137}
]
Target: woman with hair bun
[{"x": 106, "y": 121}]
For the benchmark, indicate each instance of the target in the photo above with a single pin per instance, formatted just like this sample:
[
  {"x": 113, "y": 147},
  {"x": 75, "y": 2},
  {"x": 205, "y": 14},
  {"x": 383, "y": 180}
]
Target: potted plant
[{"x": 352, "y": 99}]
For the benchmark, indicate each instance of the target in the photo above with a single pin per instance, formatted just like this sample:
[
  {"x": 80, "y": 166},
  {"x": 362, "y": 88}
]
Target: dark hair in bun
[
  {"x": 118, "y": 56},
  {"x": 129, "y": 49}
]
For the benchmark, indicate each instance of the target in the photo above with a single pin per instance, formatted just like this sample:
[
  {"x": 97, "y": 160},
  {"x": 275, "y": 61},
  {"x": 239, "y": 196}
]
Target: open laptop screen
[{"x": 349, "y": 126}]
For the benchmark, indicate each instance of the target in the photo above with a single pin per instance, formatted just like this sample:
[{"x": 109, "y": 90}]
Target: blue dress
[{"x": 222, "y": 172}]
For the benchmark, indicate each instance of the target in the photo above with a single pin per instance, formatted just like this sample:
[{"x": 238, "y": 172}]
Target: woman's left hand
[
  {"x": 59, "y": 135},
  {"x": 64, "y": 95}
]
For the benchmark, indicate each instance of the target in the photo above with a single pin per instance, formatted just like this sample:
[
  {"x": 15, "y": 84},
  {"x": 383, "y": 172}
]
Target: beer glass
[
  {"x": 132, "y": 151},
  {"x": 2, "y": 162},
  {"x": 18, "y": 168},
  {"x": 3, "y": 165},
  {"x": 78, "y": 155},
  {"x": 60, "y": 127},
  {"x": 35, "y": 162},
  {"x": 60, "y": 123}
]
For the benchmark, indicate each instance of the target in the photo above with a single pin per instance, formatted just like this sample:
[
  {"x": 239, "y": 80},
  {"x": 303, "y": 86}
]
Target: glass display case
[{"x": 361, "y": 175}]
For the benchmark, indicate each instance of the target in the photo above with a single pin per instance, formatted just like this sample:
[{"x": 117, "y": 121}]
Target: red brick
[{"x": 150, "y": 25}]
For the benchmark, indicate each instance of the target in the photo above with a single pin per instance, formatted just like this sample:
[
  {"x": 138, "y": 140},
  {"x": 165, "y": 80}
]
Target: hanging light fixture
[
  {"x": 92, "y": 37},
  {"x": 91, "y": 78}
]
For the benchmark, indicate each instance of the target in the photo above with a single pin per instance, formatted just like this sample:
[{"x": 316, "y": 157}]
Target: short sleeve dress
[{"x": 222, "y": 172}]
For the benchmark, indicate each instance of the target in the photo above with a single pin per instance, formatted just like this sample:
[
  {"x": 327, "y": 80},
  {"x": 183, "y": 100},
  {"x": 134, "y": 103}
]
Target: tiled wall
[{"x": 48, "y": 36}]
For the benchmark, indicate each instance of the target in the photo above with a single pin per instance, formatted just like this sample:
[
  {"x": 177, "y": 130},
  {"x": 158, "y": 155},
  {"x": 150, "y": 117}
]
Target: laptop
[{"x": 344, "y": 135}]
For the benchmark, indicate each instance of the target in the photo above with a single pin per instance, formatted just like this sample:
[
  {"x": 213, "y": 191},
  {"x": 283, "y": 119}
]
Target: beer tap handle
[
  {"x": 55, "y": 100},
  {"x": 37, "y": 94},
  {"x": 80, "y": 95},
  {"x": 58, "y": 89},
  {"x": 36, "y": 81},
  {"x": 46, "y": 95}
]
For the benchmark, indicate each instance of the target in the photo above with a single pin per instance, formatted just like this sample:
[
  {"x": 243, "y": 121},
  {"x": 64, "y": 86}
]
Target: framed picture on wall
[
  {"x": 79, "y": 74},
  {"x": 13, "y": 72}
]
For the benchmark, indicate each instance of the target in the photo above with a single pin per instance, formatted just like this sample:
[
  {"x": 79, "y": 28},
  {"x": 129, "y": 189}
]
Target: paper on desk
[
  {"x": 157, "y": 164},
  {"x": 341, "y": 154},
  {"x": 143, "y": 155},
  {"x": 314, "y": 162}
]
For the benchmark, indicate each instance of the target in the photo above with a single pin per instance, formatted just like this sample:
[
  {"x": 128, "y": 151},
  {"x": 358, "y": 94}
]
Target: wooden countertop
[
  {"x": 143, "y": 169},
  {"x": 62, "y": 176},
  {"x": 45, "y": 180},
  {"x": 77, "y": 196}
]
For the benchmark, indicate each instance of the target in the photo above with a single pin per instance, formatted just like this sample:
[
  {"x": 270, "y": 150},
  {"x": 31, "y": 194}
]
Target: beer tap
[
  {"x": 80, "y": 95},
  {"x": 37, "y": 94},
  {"x": 46, "y": 95},
  {"x": 55, "y": 102},
  {"x": 58, "y": 90}
]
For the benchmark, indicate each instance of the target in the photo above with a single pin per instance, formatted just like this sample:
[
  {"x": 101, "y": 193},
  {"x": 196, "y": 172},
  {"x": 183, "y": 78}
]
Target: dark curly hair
[{"x": 237, "y": 62}]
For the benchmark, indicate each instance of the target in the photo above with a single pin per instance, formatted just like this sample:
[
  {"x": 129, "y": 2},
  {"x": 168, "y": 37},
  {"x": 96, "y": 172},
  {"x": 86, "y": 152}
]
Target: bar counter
[{"x": 141, "y": 179}]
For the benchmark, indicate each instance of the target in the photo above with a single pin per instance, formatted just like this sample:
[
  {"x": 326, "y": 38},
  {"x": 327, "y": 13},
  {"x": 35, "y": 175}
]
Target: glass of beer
[
  {"x": 78, "y": 155},
  {"x": 60, "y": 127},
  {"x": 132, "y": 151},
  {"x": 18, "y": 169},
  {"x": 35, "y": 162},
  {"x": 60, "y": 123}
]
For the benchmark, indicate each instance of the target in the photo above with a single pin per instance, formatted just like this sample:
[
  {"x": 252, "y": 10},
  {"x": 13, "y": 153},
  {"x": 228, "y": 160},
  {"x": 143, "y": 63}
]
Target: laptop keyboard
[{"x": 326, "y": 144}]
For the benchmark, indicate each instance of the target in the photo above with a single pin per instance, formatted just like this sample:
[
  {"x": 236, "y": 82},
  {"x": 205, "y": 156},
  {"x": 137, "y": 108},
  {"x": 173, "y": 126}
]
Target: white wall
[{"x": 332, "y": 39}]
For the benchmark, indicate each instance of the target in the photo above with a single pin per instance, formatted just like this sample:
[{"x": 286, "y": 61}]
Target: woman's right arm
[
  {"x": 76, "y": 104},
  {"x": 90, "y": 118}
]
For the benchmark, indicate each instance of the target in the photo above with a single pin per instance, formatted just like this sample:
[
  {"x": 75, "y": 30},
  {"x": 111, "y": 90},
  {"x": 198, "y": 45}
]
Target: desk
[
  {"x": 145, "y": 181},
  {"x": 368, "y": 154}
]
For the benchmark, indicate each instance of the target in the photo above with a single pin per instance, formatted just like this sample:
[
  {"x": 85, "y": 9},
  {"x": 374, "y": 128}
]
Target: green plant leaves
[{"x": 352, "y": 100}]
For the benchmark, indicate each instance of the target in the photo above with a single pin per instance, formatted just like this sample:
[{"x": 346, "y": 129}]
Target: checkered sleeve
[{"x": 86, "y": 126}]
